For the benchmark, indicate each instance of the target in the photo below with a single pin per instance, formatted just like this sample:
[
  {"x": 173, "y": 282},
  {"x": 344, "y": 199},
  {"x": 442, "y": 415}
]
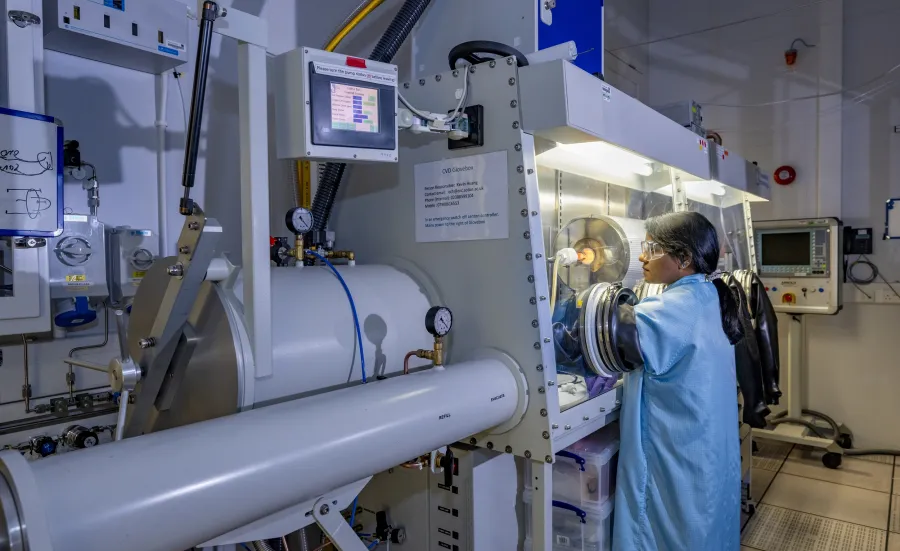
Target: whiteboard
[{"x": 31, "y": 174}]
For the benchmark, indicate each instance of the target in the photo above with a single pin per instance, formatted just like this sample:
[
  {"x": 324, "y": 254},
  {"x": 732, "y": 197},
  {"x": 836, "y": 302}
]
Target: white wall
[
  {"x": 840, "y": 148},
  {"x": 626, "y": 23}
]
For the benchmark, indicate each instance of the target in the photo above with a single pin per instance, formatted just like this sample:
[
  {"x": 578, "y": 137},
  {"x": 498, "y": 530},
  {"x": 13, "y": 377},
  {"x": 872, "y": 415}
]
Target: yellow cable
[
  {"x": 339, "y": 37},
  {"x": 303, "y": 174}
]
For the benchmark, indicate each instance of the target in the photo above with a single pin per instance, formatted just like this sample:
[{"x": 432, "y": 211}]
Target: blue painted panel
[{"x": 578, "y": 20}]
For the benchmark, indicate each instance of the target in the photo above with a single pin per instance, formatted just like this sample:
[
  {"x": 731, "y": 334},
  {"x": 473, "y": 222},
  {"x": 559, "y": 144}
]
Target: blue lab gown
[{"x": 679, "y": 477}]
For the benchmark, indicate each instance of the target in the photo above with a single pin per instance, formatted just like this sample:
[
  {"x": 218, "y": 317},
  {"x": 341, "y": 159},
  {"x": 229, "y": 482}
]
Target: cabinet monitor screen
[
  {"x": 794, "y": 252},
  {"x": 350, "y": 112},
  {"x": 786, "y": 249}
]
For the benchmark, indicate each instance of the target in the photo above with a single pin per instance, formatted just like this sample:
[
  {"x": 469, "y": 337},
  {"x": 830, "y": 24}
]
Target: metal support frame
[
  {"x": 751, "y": 238},
  {"x": 251, "y": 32},
  {"x": 255, "y": 202},
  {"x": 788, "y": 432},
  {"x": 198, "y": 239},
  {"x": 303, "y": 515},
  {"x": 679, "y": 195},
  {"x": 330, "y": 520},
  {"x": 542, "y": 505}
]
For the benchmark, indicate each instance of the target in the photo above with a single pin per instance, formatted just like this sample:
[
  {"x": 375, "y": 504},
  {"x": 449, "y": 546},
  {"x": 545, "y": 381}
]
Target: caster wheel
[
  {"x": 832, "y": 460},
  {"x": 755, "y": 447},
  {"x": 751, "y": 509},
  {"x": 845, "y": 441}
]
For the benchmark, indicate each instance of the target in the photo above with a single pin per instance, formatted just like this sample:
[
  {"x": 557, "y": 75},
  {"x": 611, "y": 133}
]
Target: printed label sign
[
  {"x": 355, "y": 74},
  {"x": 463, "y": 199},
  {"x": 607, "y": 92}
]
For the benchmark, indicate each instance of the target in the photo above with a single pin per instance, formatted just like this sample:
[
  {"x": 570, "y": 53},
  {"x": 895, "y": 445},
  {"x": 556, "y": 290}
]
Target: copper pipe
[{"x": 406, "y": 361}]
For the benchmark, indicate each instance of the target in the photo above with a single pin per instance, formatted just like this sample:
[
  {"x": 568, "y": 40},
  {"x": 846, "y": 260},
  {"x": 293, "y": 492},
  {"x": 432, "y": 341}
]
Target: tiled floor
[{"x": 804, "y": 506}]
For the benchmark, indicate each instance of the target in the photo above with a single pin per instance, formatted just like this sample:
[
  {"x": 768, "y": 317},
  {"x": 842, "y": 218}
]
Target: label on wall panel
[
  {"x": 463, "y": 199},
  {"x": 606, "y": 89}
]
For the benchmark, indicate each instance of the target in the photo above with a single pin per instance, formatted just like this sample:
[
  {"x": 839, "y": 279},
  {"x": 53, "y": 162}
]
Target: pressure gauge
[
  {"x": 299, "y": 220},
  {"x": 438, "y": 321}
]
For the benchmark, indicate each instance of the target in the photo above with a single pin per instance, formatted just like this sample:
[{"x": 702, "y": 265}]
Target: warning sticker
[
  {"x": 463, "y": 199},
  {"x": 704, "y": 145}
]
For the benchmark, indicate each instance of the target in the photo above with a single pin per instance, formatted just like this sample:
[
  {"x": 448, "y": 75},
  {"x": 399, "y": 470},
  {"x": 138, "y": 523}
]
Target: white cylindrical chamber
[
  {"x": 313, "y": 335},
  {"x": 313, "y": 332},
  {"x": 178, "y": 488}
]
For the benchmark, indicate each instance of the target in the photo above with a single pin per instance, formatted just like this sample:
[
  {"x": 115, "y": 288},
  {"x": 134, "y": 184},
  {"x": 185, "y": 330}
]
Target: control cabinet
[
  {"x": 78, "y": 259},
  {"x": 331, "y": 106},
  {"x": 131, "y": 254},
  {"x": 800, "y": 263},
  {"x": 149, "y": 36}
]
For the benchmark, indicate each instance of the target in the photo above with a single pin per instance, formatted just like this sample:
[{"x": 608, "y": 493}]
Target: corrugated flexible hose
[
  {"x": 384, "y": 51},
  {"x": 262, "y": 545},
  {"x": 835, "y": 430}
]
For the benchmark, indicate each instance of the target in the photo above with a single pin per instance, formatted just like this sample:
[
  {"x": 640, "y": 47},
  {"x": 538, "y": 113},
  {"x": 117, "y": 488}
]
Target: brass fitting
[
  {"x": 349, "y": 255},
  {"x": 436, "y": 355},
  {"x": 298, "y": 251}
]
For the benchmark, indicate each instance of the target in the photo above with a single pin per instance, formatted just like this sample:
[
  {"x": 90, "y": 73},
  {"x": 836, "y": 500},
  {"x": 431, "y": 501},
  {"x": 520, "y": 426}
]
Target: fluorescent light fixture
[
  {"x": 706, "y": 187},
  {"x": 594, "y": 159}
]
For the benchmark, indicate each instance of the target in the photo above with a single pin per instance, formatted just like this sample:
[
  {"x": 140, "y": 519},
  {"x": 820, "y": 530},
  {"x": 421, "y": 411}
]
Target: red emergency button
[{"x": 789, "y": 298}]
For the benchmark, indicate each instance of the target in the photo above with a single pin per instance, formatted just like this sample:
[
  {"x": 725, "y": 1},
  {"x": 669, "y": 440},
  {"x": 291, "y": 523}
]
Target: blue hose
[
  {"x": 362, "y": 356},
  {"x": 353, "y": 512}
]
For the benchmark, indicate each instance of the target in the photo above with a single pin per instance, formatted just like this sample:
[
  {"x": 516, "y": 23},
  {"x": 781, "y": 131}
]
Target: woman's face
[{"x": 663, "y": 269}]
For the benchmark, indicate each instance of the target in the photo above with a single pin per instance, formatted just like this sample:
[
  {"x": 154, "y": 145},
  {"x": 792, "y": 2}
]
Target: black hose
[
  {"x": 872, "y": 452},
  {"x": 384, "y": 52}
]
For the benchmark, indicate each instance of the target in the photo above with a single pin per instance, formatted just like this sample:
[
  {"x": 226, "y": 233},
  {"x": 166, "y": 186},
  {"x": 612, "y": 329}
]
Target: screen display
[
  {"x": 354, "y": 108},
  {"x": 786, "y": 249}
]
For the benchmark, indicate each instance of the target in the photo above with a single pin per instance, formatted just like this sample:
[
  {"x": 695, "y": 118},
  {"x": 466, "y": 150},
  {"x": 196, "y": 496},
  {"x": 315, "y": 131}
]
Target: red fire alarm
[
  {"x": 785, "y": 175},
  {"x": 790, "y": 55}
]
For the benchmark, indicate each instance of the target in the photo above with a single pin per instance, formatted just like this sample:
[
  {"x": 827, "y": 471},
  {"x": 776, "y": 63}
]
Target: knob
[
  {"x": 79, "y": 437},
  {"x": 43, "y": 446}
]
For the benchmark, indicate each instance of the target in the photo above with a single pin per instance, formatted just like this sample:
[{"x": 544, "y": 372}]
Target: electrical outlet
[{"x": 886, "y": 296}]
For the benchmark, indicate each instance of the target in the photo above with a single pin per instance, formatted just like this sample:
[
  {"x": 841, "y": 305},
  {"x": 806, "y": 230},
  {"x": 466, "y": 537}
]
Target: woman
[{"x": 678, "y": 485}]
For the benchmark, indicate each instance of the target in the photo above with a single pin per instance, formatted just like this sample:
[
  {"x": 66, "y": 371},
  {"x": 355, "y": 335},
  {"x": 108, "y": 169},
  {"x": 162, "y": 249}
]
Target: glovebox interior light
[{"x": 595, "y": 159}]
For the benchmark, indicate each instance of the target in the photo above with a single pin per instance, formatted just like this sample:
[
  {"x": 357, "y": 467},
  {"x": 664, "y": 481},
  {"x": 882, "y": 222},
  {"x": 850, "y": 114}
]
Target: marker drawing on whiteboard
[
  {"x": 30, "y": 202},
  {"x": 10, "y": 163}
]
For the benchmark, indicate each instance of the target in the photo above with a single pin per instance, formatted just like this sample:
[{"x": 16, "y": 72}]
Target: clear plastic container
[
  {"x": 578, "y": 529},
  {"x": 584, "y": 473}
]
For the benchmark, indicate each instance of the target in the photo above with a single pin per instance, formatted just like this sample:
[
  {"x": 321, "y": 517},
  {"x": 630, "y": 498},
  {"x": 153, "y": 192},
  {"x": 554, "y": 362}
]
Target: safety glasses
[{"x": 651, "y": 250}]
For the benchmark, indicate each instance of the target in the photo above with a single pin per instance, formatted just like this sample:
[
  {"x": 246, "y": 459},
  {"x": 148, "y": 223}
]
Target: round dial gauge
[
  {"x": 438, "y": 321},
  {"x": 299, "y": 220}
]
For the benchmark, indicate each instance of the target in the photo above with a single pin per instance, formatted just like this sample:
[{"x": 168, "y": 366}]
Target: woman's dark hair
[{"x": 690, "y": 237}]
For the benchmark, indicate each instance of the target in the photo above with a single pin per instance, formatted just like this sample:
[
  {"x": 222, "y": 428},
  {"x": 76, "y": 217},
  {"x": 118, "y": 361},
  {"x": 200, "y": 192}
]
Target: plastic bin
[
  {"x": 584, "y": 474},
  {"x": 576, "y": 529}
]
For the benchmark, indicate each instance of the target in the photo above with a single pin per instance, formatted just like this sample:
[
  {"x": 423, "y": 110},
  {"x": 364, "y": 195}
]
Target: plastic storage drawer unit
[
  {"x": 576, "y": 529},
  {"x": 584, "y": 473}
]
